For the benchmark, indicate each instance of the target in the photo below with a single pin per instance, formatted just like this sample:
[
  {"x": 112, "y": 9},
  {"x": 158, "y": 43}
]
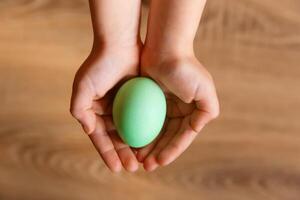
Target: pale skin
[{"x": 167, "y": 57}]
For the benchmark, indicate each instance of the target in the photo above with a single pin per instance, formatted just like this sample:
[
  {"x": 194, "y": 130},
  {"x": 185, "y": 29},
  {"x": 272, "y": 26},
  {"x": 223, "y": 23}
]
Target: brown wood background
[{"x": 252, "y": 48}]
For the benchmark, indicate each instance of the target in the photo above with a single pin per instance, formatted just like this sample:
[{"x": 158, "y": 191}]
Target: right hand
[{"x": 92, "y": 97}]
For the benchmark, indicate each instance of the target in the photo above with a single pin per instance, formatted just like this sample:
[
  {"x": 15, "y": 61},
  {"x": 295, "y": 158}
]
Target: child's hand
[
  {"x": 92, "y": 99},
  {"x": 191, "y": 102},
  {"x": 168, "y": 58}
]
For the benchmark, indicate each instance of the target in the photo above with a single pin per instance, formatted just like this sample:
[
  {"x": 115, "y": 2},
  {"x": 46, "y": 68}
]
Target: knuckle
[
  {"x": 186, "y": 97},
  {"x": 215, "y": 114},
  {"x": 76, "y": 113}
]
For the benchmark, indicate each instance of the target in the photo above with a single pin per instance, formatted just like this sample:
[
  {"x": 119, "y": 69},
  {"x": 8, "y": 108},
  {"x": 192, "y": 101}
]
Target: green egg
[{"x": 139, "y": 111}]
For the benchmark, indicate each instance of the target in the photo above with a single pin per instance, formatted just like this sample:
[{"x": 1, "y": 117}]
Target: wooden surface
[{"x": 252, "y": 48}]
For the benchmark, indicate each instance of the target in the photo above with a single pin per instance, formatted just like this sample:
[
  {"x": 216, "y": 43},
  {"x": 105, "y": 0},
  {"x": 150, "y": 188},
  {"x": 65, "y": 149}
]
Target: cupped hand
[
  {"x": 191, "y": 103},
  {"x": 92, "y": 97}
]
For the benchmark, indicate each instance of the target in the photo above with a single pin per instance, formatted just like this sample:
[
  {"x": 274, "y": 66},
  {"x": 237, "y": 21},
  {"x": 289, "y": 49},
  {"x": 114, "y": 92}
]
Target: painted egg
[{"x": 139, "y": 111}]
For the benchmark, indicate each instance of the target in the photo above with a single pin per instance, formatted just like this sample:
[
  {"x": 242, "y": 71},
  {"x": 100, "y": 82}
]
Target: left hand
[{"x": 191, "y": 103}]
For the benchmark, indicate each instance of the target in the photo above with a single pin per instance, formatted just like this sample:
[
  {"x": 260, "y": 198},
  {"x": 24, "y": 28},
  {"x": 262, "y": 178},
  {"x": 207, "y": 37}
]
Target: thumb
[{"x": 81, "y": 105}]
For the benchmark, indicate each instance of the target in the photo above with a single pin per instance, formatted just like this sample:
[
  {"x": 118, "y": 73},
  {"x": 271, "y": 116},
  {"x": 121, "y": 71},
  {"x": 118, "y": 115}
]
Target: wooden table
[{"x": 252, "y": 48}]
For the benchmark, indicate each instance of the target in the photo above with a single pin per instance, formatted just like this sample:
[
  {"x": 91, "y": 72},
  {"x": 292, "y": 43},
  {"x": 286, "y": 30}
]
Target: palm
[{"x": 191, "y": 103}]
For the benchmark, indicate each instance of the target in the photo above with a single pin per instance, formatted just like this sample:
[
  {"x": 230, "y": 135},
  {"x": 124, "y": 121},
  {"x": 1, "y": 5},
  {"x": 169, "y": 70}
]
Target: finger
[
  {"x": 103, "y": 106},
  {"x": 178, "y": 144},
  {"x": 109, "y": 124},
  {"x": 177, "y": 108},
  {"x": 151, "y": 163},
  {"x": 105, "y": 147},
  {"x": 81, "y": 104},
  {"x": 124, "y": 152},
  {"x": 142, "y": 153},
  {"x": 206, "y": 110},
  {"x": 172, "y": 108}
]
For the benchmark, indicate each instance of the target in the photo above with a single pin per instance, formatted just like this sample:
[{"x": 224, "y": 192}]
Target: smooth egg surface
[{"x": 139, "y": 111}]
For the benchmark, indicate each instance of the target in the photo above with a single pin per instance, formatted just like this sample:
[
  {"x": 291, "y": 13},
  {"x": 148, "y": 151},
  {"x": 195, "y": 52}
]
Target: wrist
[
  {"x": 168, "y": 48},
  {"x": 157, "y": 53},
  {"x": 118, "y": 52},
  {"x": 111, "y": 44}
]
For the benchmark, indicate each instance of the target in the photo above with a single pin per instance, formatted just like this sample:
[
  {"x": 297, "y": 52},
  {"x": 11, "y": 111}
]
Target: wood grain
[{"x": 252, "y": 151}]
